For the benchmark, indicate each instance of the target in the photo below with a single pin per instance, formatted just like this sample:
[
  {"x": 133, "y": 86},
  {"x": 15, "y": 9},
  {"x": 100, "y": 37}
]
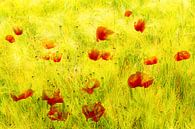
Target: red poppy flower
[
  {"x": 90, "y": 89},
  {"x": 48, "y": 44},
  {"x": 106, "y": 56},
  {"x": 94, "y": 54},
  {"x": 94, "y": 112},
  {"x": 128, "y": 13},
  {"x": 139, "y": 80},
  {"x": 53, "y": 100},
  {"x": 17, "y": 30},
  {"x": 146, "y": 80},
  {"x": 135, "y": 80},
  {"x": 57, "y": 57},
  {"x": 182, "y": 55},
  {"x": 151, "y": 60},
  {"x": 55, "y": 114},
  {"x": 10, "y": 38},
  {"x": 26, "y": 94},
  {"x": 102, "y": 33},
  {"x": 139, "y": 25}
]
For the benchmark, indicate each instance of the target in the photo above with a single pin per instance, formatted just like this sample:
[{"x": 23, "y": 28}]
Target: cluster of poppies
[
  {"x": 47, "y": 44},
  {"x": 54, "y": 112},
  {"x": 102, "y": 33},
  {"x": 10, "y": 38},
  {"x": 143, "y": 80},
  {"x": 139, "y": 25},
  {"x": 55, "y": 56},
  {"x": 95, "y": 55},
  {"x": 90, "y": 111},
  {"x": 95, "y": 111},
  {"x": 138, "y": 79}
]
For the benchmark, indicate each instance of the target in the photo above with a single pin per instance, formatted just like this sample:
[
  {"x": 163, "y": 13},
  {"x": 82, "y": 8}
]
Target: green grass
[{"x": 167, "y": 104}]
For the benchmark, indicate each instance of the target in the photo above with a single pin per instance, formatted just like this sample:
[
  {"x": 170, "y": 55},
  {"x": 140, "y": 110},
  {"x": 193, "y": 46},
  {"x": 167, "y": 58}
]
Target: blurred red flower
[
  {"x": 102, "y": 33},
  {"x": 139, "y": 25},
  {"x": 140, "y": 80},
  {"x": 90, "y": 89},
  {"x": 128, "y": 13},
  {"x": 151, "y": 60},
  {"x": 48, "y": 44},
  {"x": 56, "y": 57},
  {"x": 182, "y": 55},
  {"x": 94, "y": 54},
  {"x": 53, "y": 100},
  {"x": 106, "y": 56},
  {"x": 18, "y": 30},
  {"x": 55, "y": 114},
  {"x": 94, "y": 112},
  {"x": 26, "y": 94},
  {"x": 10, "y": 38}
]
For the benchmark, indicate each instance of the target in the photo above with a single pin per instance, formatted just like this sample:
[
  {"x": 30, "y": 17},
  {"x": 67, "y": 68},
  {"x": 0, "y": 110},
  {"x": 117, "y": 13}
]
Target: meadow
[{"x": 169, "y": 103}]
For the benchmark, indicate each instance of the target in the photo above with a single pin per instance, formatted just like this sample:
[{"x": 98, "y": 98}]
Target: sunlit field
[{"x": 97, "y": 64}]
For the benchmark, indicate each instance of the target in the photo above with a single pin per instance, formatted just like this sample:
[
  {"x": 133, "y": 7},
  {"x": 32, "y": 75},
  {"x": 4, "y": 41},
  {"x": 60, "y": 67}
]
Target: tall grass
[{"x": 168, "y": 104}]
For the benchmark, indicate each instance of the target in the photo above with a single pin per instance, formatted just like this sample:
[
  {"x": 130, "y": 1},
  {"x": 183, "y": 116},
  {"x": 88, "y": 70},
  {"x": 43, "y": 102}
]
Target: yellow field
[{"x": 169, "y": 103}]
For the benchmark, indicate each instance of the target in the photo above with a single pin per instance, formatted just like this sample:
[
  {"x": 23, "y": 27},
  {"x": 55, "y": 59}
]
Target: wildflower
[
  {"x": 140, "y": 80},
  {"x": 57, "y": 57},
  {"x": 151, "y": 60},
  {"x": 55, "y": 114},
  {"x": 94, "y": 54},
  {"x": 53, "y": 100},
  {"x": 106, "y": 56},
  {"x": 90, "y": 89},
  {"x": 128, "y": 13},
  {"x": 26, "y": 94},
  {"x": 102, "y": 33},
  {"x": 94, "y": 112},
  {"x": 139, "y": 25},
  {"x": 10, "y": 38},
  {"x": 182, "y": 55},
  {"x": 48, "y": 44},
  {"x": 17, "y": 30}
]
